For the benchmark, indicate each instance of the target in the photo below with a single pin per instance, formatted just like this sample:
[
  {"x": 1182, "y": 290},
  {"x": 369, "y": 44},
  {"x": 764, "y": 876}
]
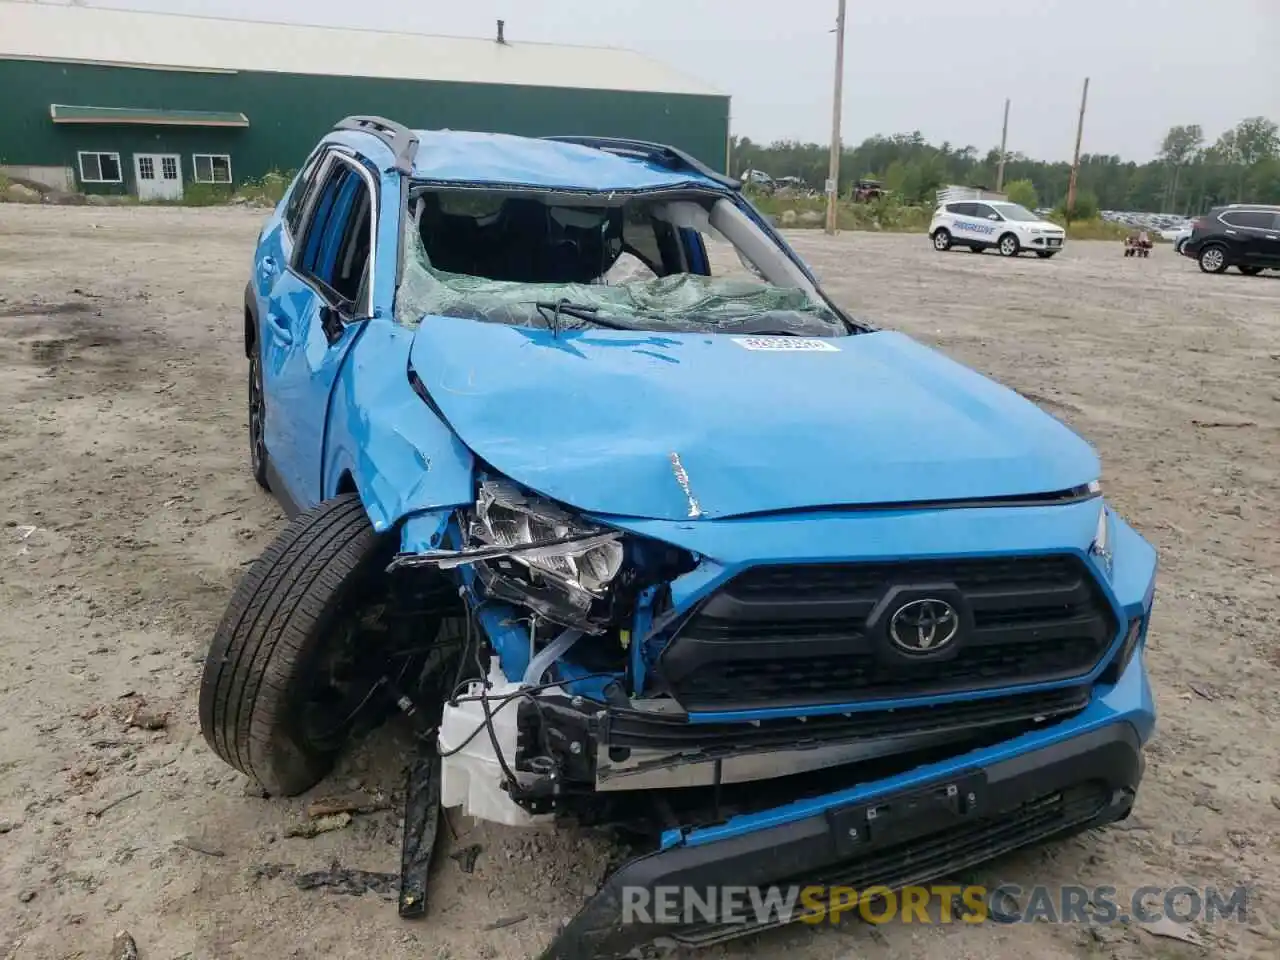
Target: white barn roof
[{"x": 40, "y": 31}]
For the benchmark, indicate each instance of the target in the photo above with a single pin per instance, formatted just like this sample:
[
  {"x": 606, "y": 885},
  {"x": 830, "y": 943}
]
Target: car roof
[{"x": 498, "y": 159}]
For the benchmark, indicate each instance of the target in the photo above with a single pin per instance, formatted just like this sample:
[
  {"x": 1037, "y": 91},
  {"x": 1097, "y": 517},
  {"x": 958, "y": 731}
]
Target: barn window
[
  {"x": 99, "y": 167},
  {"x": 212, "y": 167}
]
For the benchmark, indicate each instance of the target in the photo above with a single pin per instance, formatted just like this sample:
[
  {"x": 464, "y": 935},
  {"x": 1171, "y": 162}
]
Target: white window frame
[
  {"x": 195, "y": 170},
  {"x": 81, "y": 154}
]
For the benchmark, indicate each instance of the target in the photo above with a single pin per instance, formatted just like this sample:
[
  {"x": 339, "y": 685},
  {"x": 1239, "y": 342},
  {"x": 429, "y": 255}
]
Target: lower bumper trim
[{"x": 1085, "y": 782}]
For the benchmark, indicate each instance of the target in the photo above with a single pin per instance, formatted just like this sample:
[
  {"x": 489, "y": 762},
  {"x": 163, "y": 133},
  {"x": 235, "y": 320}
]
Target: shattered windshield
[{"x": 688, "y": 263}]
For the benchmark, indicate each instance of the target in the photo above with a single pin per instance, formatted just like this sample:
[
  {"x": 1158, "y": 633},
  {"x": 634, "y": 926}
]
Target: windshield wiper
[{"x": 553, "y": 310}]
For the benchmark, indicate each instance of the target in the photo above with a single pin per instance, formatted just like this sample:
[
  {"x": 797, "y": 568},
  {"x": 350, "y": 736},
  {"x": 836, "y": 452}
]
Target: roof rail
[
  {"x": 658, "y": 153},
  {"x": 402, "y": 141}
]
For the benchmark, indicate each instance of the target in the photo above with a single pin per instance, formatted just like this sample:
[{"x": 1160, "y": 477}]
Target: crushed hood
[{"x": 691, "y": 426}]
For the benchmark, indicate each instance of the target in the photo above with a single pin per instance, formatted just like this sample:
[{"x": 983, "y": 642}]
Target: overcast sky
[{"x": 942, "y": 67}]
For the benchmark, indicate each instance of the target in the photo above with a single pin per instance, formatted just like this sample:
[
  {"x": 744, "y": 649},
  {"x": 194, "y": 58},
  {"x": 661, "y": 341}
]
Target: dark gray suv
[{"x": 1243, "y": 235}]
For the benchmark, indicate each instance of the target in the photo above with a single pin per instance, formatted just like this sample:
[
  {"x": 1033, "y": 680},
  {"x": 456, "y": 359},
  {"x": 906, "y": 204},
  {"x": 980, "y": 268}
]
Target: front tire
[
  {"x": 1213, "y": 259},
  {"x": 1250, "y": 271},
  {"x": 257, "y": 414},
  {"x": 942, "y": 239},
  {"x": 277, "y": 697},
  {"x": 1009, "y": 246}
]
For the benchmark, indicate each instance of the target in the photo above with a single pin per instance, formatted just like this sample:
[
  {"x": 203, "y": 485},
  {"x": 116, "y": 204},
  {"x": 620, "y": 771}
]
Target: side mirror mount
[
  {"x": 331, "y": 322},
  {"x": 993, "y": 216}
]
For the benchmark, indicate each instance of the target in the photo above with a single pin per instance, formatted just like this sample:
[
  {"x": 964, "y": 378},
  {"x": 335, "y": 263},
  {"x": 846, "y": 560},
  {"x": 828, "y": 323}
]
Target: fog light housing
[{"x": 1132, "y": 640}]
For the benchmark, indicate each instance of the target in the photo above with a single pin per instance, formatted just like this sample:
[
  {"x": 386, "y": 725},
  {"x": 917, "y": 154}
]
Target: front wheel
[
  {"x": 1009, "y": 246},
  {"x": 1213, "y": 259},
  {"x": 942, "y": 239},
  {"x": 292, "y": 664},
  {"x": 1250, "y": 271},
  {"x": 1046, "y": 254}
]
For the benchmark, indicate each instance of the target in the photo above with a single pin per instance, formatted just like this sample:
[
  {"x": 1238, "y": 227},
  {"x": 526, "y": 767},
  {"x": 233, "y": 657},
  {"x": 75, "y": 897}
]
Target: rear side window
[
  {"x": 1254, "y": 219},
  {"x": 337, "y": 239},
  {"x": 301, "y": 188}
]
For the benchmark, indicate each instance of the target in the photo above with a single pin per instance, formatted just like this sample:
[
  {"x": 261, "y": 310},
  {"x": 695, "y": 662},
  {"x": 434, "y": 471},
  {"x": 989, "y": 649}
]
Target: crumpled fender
[{"x": 401, "y": 457}]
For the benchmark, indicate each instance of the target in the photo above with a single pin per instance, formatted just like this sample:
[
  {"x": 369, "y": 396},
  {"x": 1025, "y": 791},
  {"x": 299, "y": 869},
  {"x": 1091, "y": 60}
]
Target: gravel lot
[{"x": 122, "y": 445}]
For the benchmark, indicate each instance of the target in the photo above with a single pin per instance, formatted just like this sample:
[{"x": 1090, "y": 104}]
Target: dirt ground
[{"x": 127, "y": 513}]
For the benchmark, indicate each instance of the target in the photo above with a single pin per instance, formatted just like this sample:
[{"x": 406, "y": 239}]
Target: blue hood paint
[{"x": 593, "y": 418}]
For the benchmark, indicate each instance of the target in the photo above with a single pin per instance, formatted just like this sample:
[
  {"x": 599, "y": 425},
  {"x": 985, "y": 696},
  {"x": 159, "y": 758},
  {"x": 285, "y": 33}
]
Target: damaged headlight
[
  {"x": 546, "y": 538},
  {"x": 527, "y": 550}
]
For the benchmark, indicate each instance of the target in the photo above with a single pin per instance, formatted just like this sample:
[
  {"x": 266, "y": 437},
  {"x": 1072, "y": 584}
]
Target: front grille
[
  {"x": 936, "y": 855},
  {"x": 798, "y": 635}
]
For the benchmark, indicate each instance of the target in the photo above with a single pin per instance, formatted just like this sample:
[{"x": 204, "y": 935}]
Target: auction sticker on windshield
[{"x": 787, "y": 344}]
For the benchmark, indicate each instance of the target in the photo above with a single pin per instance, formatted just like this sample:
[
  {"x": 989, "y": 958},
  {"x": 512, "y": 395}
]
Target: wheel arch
[{"x": 250, "y": 320}]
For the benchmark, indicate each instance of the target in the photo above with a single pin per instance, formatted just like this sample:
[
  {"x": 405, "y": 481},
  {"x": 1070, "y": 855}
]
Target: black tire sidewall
[
  {"x": 257, "y": 442},
  {"x": 274, "y": 633}
]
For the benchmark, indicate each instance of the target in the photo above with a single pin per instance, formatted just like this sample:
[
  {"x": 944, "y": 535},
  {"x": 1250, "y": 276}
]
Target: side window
[
  {"x": 960, "y": 209},
  {"x": 1251, "y": 219},
  {"x": 301, "y": 187},
  {"x": 337, "y": 240},
  {"x": 984, "y": 212}
]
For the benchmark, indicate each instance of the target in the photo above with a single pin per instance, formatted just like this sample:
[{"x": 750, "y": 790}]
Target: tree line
[{"x": 1189, "y": 175}]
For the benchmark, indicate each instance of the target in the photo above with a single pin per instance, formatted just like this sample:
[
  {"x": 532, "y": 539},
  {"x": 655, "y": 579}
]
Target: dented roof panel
[{"x": 458, "y": 156}]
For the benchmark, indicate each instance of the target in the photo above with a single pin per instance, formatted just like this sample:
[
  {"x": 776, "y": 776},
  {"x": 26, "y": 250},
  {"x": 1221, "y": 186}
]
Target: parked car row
[{"x": 1241, "y": 235}]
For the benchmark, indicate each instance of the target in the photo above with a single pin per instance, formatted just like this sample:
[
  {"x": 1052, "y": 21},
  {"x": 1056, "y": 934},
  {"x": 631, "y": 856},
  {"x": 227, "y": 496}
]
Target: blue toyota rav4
[{"x": 593, "y": 484}]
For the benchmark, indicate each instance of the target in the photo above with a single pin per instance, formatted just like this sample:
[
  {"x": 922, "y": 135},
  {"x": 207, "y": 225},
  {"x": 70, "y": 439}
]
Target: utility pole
[
  {"x": 833, "y": 170},
  {"x": 1004, "y": 139},
  {"x": 1075, "y": 163}
]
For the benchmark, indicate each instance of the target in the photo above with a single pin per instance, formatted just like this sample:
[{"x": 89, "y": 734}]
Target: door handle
[{"x": 279, "y": 328}]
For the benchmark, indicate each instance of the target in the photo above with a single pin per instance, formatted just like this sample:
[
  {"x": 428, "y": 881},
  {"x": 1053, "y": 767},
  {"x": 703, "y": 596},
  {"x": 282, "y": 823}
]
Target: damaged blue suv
[{"x": 595, "y": 488}]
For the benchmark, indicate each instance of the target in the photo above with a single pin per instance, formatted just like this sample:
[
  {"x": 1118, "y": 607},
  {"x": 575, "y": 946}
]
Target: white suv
[{"x": 1009, "y": 227}]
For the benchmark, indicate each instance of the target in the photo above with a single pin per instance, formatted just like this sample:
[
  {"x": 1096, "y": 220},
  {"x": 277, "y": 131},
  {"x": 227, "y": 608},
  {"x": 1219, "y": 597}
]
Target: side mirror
[
  {"x": 993, "y": 216},
  {"x": 331, "y": 322}
]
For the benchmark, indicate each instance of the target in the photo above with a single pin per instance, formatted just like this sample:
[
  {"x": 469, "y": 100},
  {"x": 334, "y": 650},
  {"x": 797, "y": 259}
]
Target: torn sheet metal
[{"x": 448, "y": 559}]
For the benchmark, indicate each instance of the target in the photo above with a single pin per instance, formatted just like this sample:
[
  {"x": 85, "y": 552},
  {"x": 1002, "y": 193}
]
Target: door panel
[
  {"x": 299, "y": 367},
  {"x": 304, "y": 339},
  {"x": 158, "y": 176},
  {"x": 1269, "y": 245}
]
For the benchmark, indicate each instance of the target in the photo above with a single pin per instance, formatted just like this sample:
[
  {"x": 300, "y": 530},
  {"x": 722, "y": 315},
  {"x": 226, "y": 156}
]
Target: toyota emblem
[{"x": 924, "y": 626}]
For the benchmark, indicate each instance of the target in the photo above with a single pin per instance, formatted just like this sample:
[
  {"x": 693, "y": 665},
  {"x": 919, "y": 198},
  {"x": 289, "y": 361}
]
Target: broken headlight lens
[{"x": 583, "y": 557}]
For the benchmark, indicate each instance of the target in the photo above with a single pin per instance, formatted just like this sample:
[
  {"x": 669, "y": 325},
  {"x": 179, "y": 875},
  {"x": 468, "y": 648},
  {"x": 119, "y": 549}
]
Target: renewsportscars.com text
[{"x": 936, "y": 903}]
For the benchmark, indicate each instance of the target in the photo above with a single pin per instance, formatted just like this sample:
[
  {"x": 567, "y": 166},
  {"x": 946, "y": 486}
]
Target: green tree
[
  {"x": 1023, "y": 192},
  {"x": 1180, "y": 144},
  {"x": 1086, "y": 207}
]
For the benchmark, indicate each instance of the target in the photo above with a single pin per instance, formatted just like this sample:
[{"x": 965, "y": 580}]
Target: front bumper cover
[{"x": 1087, "y": 781}]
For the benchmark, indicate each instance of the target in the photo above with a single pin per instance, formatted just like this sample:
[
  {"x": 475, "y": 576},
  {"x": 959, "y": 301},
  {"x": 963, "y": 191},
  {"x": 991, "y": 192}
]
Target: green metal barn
[{"x": 119, "y": 101}]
